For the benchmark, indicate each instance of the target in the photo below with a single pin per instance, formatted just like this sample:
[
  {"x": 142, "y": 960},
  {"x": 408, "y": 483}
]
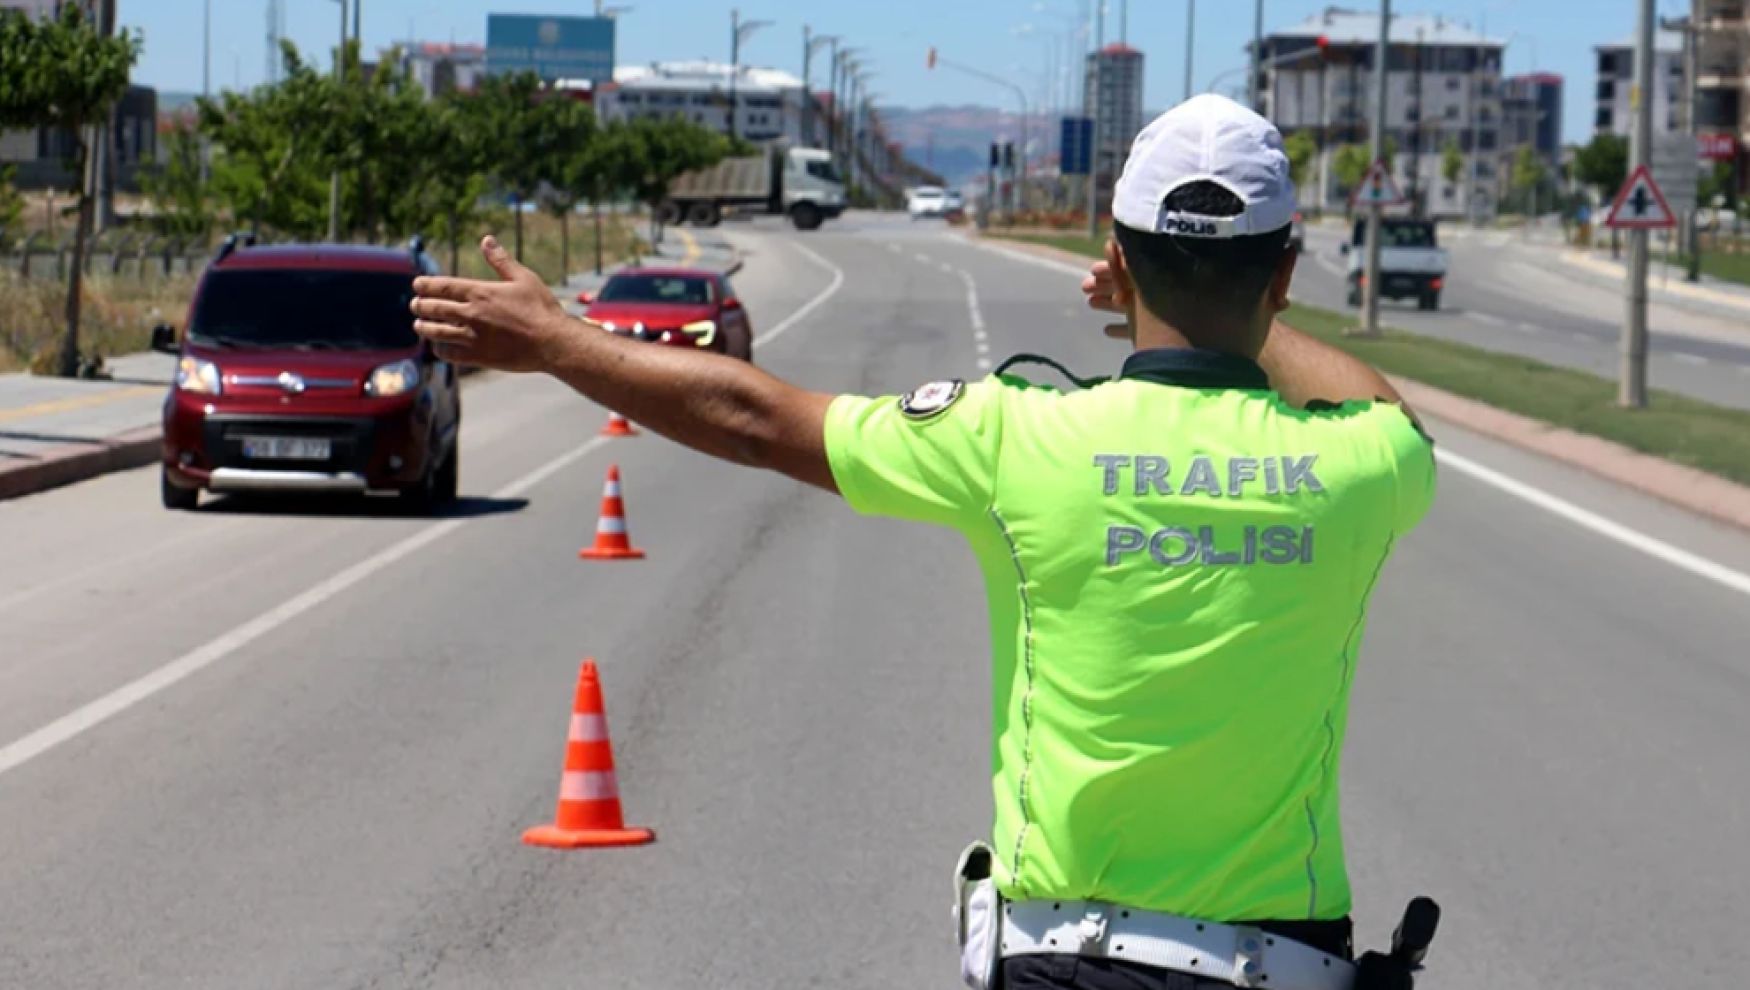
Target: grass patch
[
  {"x": 1725, "y": 266},
  {"x": 1698, "y": 434}
]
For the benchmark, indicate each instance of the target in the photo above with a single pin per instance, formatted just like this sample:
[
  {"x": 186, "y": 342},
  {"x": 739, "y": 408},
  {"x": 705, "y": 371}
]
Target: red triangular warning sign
[
  {"x": 1640, "y": 205},
  {"x": 1377, "y": 187}
]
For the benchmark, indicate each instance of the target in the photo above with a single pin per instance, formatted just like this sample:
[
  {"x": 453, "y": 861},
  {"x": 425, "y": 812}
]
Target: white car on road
[{"x": 925, "y": 202}]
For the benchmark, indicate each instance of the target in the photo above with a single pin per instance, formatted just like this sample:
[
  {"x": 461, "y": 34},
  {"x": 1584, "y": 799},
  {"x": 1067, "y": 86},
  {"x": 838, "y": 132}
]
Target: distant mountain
[
  {"x": 955, "y": 141},
  {"x": 170, "y": 101}
]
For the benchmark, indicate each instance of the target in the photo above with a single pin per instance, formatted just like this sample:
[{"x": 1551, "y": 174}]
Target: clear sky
[{"x": 1008, "y": 38}]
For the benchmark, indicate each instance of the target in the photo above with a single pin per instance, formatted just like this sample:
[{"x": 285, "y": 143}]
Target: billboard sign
[
  {"x": 1076, "y": 145},
  {"x": 551, "y": 47}
]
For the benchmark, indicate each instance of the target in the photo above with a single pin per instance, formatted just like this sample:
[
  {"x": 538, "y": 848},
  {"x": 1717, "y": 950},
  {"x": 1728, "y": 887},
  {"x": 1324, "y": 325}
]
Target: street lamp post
[
  {"x": 811, "y": 42},
  {"x": 1190, "y": 32},
  {"x": 739, "y": 31},
  {"x": 1020, "y": 96},
  {"x": 1376, "y": 148},
  {"x": 334, "y": 174},
  {"x": 1254, "y": 88}
]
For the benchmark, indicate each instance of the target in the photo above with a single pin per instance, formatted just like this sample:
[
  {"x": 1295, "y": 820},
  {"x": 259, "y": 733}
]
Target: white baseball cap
[{"x": 1207, "y": 138}]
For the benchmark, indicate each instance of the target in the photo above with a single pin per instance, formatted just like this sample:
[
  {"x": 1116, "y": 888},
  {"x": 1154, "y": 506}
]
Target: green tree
[
  {"x": 1451, "y": 162},
  {"x": 1349, "y": 165},
  {"x": 11, "y": 203},
  {"x": 1603, "y": 164},
  {"x": 614, "y": 167},
  {"x": 570, "y": 180},
  {"x": 1527, "y": 177},
  {"x": 454, "y": 184},
  {"x": 272, "y": 149},
  {"x": 1301, "y": 149},
  {"x": 181, "y": 206},
  {"x": 62, "y": 73}
]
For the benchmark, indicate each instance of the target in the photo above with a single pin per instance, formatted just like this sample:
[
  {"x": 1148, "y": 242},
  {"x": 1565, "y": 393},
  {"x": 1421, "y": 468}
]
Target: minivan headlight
[
  {"x": 394, "y": 378},
  {"x": 196, "y": 375}
]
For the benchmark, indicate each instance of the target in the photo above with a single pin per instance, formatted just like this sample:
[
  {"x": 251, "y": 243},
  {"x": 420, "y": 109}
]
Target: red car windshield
[
  {"x": 308, "y": 309},
  {"x": 673, "y": 290}
]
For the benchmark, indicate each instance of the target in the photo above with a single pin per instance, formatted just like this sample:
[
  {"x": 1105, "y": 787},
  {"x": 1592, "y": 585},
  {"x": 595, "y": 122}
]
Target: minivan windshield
[{"x": 304, "y": 309}]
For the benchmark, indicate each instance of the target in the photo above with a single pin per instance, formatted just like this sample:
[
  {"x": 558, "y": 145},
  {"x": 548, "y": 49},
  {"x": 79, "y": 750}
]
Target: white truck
[
  {"x": 799, "y": 183},
  {"x": 1411, "y": 264}
]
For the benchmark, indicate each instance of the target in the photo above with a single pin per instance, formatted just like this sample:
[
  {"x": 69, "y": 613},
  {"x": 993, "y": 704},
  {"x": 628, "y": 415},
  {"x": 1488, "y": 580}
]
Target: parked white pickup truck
[{"x": 1411, "y": 265}]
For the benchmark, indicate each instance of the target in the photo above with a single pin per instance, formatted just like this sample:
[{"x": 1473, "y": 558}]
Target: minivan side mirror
[
  {"x": 164, "y": 339},
  {"x": 586, "y": 297}
]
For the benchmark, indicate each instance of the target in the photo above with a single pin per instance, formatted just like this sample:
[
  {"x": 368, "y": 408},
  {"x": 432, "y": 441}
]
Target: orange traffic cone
[
  {"x": 618, "y": 426},
  {"x": 612, "y": 542},
  {"x": 589, "y": 796}
]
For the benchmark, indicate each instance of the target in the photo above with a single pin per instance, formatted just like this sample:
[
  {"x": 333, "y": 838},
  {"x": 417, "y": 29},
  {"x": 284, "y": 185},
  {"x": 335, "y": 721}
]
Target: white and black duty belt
[{"x": 1237, "y": 954}]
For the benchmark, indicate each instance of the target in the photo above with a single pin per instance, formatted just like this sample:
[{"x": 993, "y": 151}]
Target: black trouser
[{"x": 1067, "y": 972}]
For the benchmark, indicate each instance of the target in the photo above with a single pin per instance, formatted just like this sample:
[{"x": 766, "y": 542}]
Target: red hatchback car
[
  {"x": 682, "y": 307},
  {"x": 300, "y": 371}
]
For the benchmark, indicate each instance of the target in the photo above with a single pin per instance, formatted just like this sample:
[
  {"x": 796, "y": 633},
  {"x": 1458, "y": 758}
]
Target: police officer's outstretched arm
[{"x": 718, "y": 405}]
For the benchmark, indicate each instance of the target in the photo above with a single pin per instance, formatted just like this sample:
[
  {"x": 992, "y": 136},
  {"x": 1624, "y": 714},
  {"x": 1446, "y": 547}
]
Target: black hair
[{"x": 1202, "y": 282}]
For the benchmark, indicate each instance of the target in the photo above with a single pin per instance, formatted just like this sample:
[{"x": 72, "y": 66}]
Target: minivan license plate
[{"x": 286, "y": 448}]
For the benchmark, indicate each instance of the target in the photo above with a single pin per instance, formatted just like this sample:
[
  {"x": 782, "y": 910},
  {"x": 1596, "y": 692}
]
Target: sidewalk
[
  {"x": 1665, "y": 284},
  {"x": 56, "y": 431}
]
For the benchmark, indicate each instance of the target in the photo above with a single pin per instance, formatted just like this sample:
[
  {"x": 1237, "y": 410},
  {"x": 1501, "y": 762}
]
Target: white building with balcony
[
  {"x": 768, "y": 102},
  {"x": 1443, "y": 87}
]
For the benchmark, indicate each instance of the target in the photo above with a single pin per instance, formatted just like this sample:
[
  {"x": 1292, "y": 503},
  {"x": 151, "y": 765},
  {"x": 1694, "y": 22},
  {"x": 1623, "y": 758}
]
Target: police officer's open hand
[
  {"x": 511, "y": 324},
  {"x": 1107, "y": 292}
]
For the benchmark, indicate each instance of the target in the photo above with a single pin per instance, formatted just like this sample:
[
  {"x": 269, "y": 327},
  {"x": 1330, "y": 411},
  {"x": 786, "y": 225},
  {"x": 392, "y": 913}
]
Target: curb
[
  {"x": 1694, "y": 293},
  {"x": 70, "y": 462},
  {"x": 1705, "y": 494}
]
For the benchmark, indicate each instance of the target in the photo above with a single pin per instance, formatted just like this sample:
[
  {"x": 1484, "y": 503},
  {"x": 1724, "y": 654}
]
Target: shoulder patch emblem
[{"x": 929, "y": 400}]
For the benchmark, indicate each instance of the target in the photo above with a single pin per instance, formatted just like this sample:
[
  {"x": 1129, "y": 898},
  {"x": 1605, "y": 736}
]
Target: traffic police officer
[{"x": 1178, "y": 563}]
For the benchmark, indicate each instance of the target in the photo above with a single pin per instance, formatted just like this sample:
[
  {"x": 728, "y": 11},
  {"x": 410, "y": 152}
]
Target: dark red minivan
[{"x": 299, "y": 371}]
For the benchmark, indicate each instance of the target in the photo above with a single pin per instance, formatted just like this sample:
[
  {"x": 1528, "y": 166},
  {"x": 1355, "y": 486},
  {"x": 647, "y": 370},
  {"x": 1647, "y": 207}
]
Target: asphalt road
[
  {"x": 1506, "y": 295},
  {"x": 273, "y": 745}
]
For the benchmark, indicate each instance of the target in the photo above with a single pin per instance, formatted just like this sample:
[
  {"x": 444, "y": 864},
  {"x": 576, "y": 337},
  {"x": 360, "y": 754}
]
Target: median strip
[{"x": 1688, "y": 432}]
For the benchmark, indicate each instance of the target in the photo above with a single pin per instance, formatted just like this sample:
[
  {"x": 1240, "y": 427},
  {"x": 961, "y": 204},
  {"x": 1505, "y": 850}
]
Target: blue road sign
[
  {"x": 551, "y": 47},
  {"x": 1076, "y": 145}
]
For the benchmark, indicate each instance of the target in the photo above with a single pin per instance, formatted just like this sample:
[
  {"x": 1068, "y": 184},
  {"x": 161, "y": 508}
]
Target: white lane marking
[
  {"x": 984, "y": 364},
  {"x": 980, "y": 335},
  {"x": 1493, "y": 321},
  {"x": 1524, "y": 327},
  {"x": 1655, "y": 548},
  {"x": 923, "y": 258},
  {"x": 1581, "y": 337},
  {"x": 838, "y": 279},
  {"x": 1694, "y": 359},
  {"x": 947, "y": 268},
  {"x": 972, "y": 309},
  {"x": 94, "y": 713}
]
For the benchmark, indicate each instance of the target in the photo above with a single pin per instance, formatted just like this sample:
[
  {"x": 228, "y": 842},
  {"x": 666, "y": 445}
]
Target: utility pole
[
  {"x": 103, "y": 148},
  {"x": 1094, "y": 111},
  {"x": 734, "y": 63},
  {"x": 1376, "y": 154},
  {"x": 1688, "y": 230},
  {"x": 1190, "y": 32},
  {"x": 206, "y": 80},
  {"x": 1415, "y": 122},
  {"x": 334, "y": 176},
  {"x": 1632, "y": 389},
  {"x": 358, "y": 7},
  {"x": 1254, "y": 91}
]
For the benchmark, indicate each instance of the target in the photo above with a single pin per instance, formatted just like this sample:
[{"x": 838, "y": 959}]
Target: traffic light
[
  {"x": 996, "y": 155},
  {"x": 1324, "y": 44},
  {"x": 932, "y": 58},
  {"x": 1009, "y": 156}
]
